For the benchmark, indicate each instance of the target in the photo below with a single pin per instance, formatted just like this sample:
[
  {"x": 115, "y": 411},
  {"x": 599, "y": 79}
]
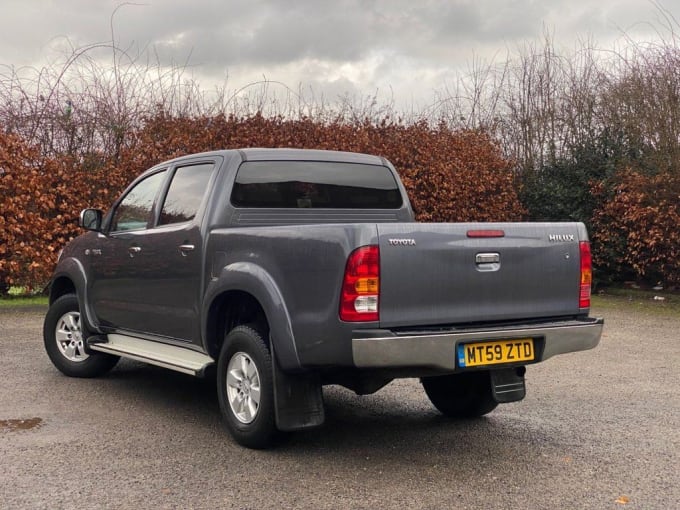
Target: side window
[
  {"x": 185, "y": 194},
  {"x": 134, "y": 212}
]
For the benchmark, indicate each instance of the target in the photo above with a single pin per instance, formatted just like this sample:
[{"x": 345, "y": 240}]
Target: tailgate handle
[{"x": 487, "y": 258}]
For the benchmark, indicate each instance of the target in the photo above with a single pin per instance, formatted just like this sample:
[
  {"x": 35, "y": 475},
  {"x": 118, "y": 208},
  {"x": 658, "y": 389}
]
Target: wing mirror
[{"x": 91, "y": 219}]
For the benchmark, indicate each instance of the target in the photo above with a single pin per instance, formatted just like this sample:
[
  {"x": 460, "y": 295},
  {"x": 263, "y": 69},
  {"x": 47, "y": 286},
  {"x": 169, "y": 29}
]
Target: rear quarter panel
[{"x": 307, "y": 264}]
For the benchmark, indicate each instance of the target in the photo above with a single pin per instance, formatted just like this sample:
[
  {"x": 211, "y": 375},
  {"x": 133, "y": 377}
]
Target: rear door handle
[
  {"x": 134, "y": 250},
  {"x": 185, "y": 249}
]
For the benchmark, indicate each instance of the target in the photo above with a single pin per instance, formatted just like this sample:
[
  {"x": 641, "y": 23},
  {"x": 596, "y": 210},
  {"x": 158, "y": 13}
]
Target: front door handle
[
  {"x": 185, "y": 249},
  {"x": 134, "y": 250}
]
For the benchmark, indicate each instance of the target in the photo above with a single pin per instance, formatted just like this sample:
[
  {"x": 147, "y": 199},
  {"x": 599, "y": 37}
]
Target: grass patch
[
  {"x": 22, "y": 301},
  {"x": 19, "y": 298},
  {"x": 22, "y": 297},
  {"x": 638, "y": 300}
]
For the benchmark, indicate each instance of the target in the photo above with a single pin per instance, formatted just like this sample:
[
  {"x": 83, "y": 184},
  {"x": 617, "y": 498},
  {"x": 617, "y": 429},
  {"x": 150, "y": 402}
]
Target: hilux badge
[{"x": 560, "y": 238}]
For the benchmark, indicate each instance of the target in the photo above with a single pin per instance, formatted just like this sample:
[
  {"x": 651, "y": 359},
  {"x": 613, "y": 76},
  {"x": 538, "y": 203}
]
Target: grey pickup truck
[{"x": 278, "y": 271}]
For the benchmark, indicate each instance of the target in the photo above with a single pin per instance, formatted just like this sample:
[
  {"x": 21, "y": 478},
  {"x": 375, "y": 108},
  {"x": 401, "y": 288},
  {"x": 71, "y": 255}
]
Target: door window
[
  {"x": 185, "y": 194},
  {"x": 134, "y": 212}
]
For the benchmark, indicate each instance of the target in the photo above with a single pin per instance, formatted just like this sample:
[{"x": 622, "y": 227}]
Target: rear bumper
[{"x": 386, "y": 349}]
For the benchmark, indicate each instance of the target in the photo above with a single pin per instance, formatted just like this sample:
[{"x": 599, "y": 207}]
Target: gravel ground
[{"x": 598, "y": 429}]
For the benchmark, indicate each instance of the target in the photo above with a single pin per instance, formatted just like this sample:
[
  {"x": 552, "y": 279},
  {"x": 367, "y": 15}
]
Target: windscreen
[{"x": 315, "y": 184}]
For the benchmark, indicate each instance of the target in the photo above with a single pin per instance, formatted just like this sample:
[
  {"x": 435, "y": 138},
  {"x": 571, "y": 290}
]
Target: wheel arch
[
  {"x": 246, "y": 293},
  {"x": 228, "y": 310},
  {"x": 68, "y": 278},
  {"x": 61, "y": 286}
]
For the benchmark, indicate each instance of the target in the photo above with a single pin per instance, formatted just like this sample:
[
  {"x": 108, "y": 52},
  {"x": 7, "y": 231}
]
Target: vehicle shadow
[
  {"x": 395, "y": 423},
  {"x": 384, "y": 423}
]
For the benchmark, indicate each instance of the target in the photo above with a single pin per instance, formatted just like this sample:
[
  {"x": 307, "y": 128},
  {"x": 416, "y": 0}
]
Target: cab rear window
[{"x": 311, "y": 184}]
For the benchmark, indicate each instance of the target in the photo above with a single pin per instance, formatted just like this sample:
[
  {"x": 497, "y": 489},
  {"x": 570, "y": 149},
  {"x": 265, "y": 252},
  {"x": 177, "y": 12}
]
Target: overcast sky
[{"x": 407, "y": 49}]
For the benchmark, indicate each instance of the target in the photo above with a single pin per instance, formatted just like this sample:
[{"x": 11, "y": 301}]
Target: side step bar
[{"x": 155, "y": 353}]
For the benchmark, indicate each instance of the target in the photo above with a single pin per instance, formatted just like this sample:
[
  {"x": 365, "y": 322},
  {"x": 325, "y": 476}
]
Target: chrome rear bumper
[{"x": 385, "y": 349}]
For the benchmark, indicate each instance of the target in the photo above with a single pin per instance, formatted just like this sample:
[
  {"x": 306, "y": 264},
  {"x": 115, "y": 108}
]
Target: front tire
[
  {"x": 245, "y": 388},
  {"x": 464, "y": 395},
  {"x": 64, "y": 335}
]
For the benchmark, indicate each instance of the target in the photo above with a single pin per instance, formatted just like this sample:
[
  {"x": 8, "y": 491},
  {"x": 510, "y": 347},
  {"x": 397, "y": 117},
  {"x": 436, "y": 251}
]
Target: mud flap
[
  {"x": 507, "y": 384},
  {"x": 298, "y": 400}
]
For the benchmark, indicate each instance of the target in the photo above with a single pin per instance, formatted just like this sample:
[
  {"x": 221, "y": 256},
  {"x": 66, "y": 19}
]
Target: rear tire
[
  {"x": 64, "y": 335},
  {"x": 245, "y": 388},
  {"x": 464, "y": 395}
]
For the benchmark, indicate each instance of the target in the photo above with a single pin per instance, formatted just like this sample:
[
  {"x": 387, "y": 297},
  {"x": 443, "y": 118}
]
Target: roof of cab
[
  {"x": 258, "y": 154},
  {"x": 265, "y": 154}
]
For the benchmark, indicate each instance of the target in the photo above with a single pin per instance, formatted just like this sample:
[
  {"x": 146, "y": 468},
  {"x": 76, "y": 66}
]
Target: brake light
[
  {"x": 359, "y": 299},
  {"x": 586, "y": 274},
  {"x": 485, "y": 233}
]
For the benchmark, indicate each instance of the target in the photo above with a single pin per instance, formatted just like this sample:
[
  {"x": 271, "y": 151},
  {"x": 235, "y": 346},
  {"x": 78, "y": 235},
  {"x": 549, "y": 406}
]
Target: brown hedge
[
  {"x": 449, "y": 175},
  {"x": 637, "y": 230},
  {"x": 41, "y": 199}
]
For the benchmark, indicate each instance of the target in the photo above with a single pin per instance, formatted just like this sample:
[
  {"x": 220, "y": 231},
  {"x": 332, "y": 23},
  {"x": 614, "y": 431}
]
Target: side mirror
[{"x": 91, "y": 219}]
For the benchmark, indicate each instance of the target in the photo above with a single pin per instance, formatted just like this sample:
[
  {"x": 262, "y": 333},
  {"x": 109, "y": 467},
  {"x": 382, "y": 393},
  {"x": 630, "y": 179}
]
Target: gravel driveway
[{"x": 598, "y": 429}]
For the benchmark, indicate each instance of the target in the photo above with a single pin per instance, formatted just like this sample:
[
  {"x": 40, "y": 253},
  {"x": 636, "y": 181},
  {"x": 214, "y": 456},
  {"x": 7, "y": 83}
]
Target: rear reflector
[
  {"x": 486, "y": 233},
  {"x": 586, "y": 274},
  {"x": 359, "y": 299}
]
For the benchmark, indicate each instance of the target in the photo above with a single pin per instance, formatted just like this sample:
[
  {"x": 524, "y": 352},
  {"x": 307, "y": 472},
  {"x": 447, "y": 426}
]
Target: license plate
[{"x": 497, "y": 352}]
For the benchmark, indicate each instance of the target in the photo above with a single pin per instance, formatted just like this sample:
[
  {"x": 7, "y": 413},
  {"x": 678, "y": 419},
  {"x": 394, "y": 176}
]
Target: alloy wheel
[
  {"x": 69, "y": 337},
  {"x": 243, "y": 387}
]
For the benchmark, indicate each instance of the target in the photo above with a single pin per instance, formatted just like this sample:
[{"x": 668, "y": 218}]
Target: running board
[{"x": 155, "y": 353}]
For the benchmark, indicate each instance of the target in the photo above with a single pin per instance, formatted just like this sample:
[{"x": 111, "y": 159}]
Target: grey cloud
[
  {"x": 399, "y": 43},
  {"x": 330, "y": 90},
  {"x": 276, "y": 33}
]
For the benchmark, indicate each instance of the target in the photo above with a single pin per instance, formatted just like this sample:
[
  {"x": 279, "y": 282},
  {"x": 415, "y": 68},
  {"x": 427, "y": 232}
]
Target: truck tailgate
[{"x": 437, "y": 274}]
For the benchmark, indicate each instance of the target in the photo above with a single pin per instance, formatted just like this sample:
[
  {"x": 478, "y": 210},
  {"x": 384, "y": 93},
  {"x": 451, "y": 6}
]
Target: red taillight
[
  {"x": 361, "y": 286},
  {"x": 586, "y": 274}
]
